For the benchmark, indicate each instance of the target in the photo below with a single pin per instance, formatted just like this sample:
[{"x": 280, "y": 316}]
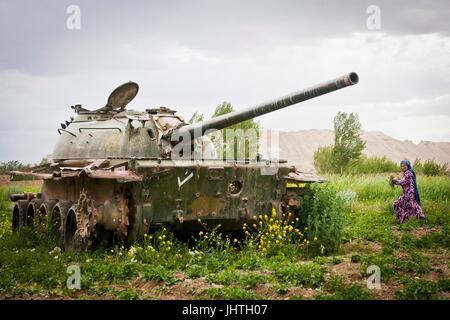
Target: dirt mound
[{"x": 299, "y": 146}]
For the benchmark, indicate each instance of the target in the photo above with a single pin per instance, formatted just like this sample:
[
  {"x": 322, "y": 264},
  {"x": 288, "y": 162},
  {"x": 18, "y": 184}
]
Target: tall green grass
[
  {"x": 5, "y": 192},
  {"x": 376, "y": 186},
  {"x": 323, "y": 162}
]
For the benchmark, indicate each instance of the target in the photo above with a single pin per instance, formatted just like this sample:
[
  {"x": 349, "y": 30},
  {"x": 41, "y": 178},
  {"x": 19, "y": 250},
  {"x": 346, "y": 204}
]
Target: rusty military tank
[{"x": 113, "y": 173}]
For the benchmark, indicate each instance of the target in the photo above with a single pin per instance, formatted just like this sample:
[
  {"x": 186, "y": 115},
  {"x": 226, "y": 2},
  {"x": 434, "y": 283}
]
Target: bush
[
  {"x": 323, "y": 162},
  {"x": 372, "y": 165},
  {"x": 322, "y": 218},
  {"x": 322, "y": 159},
  {"x": 430, "y": 168}
]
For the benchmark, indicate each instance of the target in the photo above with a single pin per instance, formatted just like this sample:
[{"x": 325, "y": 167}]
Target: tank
[{"x": 119, "y": 174}]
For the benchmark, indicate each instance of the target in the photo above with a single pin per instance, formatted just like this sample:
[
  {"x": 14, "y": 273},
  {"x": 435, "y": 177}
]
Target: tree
[
  {"x": 246, "y": 126},
  {"x": 6, "y": 167},
  {"x": 196, "y": 117},
  {"x": 348, "y": 144}
]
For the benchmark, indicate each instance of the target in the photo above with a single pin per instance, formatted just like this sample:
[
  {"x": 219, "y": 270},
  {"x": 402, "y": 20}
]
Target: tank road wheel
[
  {"x": 57, "y": 221},
  {"x": 42, "y": 214},
  {"x": 19, "y": 214},
  {"x": 70, "y": 227},
  {"x": 31, "y": 210}
]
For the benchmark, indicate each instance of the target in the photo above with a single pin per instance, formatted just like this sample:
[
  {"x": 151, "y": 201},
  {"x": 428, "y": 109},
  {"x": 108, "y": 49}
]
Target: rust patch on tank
[{"x": 203, "y": 206}]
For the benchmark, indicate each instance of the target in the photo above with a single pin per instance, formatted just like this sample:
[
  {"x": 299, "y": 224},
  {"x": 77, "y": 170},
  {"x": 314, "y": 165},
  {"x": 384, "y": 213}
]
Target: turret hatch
[{"x": 122, "y": 95}]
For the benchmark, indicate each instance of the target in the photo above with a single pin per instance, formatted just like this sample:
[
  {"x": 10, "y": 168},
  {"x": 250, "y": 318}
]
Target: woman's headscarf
[{"x": 416, "y": 191}]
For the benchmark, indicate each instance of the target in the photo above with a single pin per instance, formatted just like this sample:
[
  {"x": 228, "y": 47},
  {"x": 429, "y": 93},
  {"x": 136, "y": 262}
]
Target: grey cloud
[
  {"x": 34, "y": 31},
  {"x": 192, "y": 55}
]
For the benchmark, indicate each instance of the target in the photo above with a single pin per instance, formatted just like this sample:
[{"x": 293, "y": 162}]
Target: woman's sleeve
[{"x": 403, "y": 181}]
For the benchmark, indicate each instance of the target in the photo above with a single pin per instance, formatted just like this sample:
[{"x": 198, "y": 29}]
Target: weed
[
  {"x": 418, "y": 290},
  {"x": 252, "y": 279},
  {"x": 225, "y": 277},
  {"x": 159, "y": 273},
  {"x": 338, "y": 291},
  {"x": 310, "y": 274}
]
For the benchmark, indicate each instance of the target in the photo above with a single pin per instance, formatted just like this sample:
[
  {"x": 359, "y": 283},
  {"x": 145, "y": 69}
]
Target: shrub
[
  {"x": 418, "y": 166},
  {"x": 372, "y": 165},
  {"x": 431, "y": 168},
  {"x": 322, "y": 159},
  {"x": 322, "y": 218}
]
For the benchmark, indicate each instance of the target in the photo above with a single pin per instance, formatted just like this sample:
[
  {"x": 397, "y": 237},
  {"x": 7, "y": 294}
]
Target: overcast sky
[{"x": 192, "y": 55}]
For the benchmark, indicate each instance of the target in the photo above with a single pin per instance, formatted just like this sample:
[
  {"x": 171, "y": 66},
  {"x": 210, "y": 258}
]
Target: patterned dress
[{"x": 406, "y": 206}]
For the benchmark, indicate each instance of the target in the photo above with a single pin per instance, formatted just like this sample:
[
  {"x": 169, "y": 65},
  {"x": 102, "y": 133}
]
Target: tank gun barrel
[{"x": 235, "y": 117}]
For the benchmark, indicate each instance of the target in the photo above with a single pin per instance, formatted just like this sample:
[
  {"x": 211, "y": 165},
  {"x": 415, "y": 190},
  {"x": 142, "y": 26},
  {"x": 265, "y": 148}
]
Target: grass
[{"x": 412, "y": 257}]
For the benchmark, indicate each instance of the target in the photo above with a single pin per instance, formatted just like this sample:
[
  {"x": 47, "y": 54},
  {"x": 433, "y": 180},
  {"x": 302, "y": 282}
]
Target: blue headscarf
[{"x": 416, "y": 191}]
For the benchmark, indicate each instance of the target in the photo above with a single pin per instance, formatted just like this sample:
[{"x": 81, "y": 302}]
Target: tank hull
[{"x": 178, "y": 194}]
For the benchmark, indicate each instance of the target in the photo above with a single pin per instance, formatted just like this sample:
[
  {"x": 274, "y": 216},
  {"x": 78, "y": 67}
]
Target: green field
[{"x": 412, "y": 257}]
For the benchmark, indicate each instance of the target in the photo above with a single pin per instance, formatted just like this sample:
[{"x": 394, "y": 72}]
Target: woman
[{"x": 408, "y": 205}]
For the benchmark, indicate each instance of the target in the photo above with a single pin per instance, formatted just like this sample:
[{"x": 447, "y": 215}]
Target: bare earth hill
[{"x": 299, "y": 146}]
